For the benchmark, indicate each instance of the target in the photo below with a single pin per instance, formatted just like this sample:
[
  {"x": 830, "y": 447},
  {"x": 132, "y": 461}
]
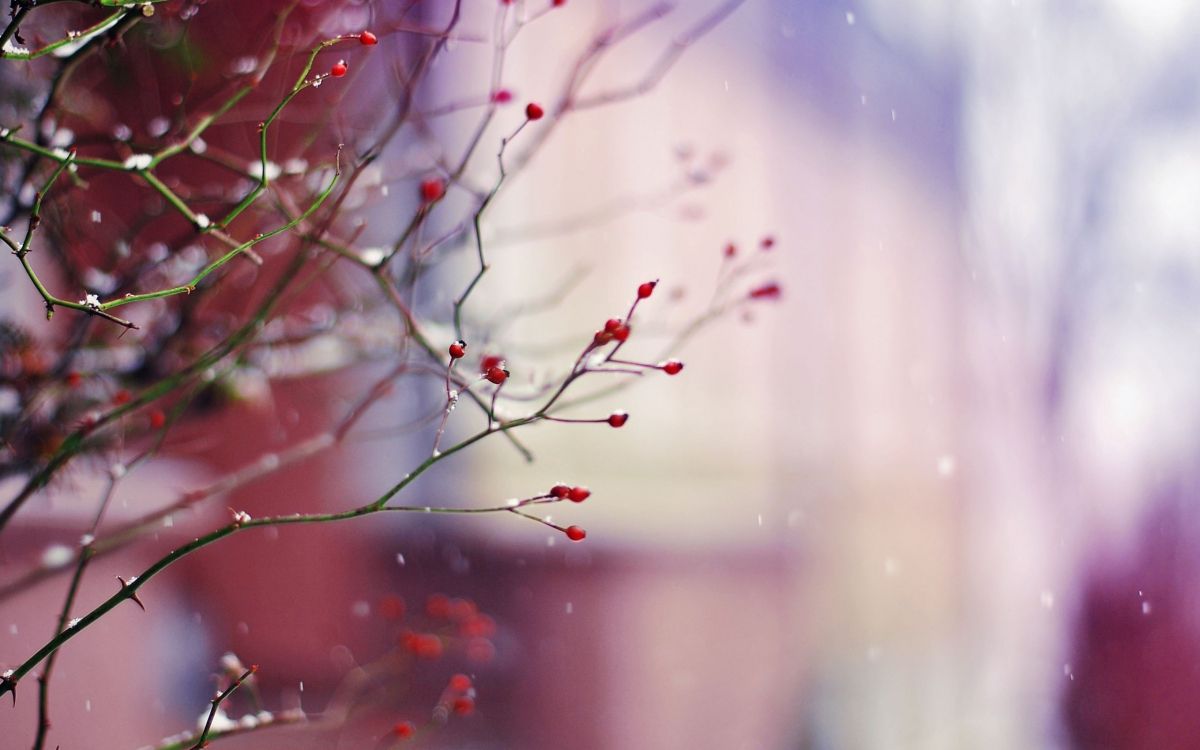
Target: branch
[
  {"x": 202, "y": 740},
  {"x": 64, "y": 47},
  {"x": 85, "y": 556},
  {"x": 665, "y": 62}
]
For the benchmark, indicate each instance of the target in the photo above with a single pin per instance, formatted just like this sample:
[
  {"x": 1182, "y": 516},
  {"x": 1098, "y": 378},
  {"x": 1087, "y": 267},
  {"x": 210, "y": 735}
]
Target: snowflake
[
  {"x": 13, "y": 49},
  {"x": 137, "y": 161}
]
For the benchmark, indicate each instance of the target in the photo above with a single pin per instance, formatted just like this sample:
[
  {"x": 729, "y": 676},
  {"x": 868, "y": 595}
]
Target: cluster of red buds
[
  {"x": 615, "y": 333},
  {"x": 448, "y": 622},
  {"x": 366, "y": 38},
  {"x": 574, "y": 494},
  {"x": 618, "y": 331},
  {"x": 771, "y": 290}
]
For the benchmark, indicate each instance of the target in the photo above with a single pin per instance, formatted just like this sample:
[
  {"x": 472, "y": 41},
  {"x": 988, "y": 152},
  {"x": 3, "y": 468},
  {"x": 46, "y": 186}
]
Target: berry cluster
[
  {"x": 574, "y": 494},
  {"x": 732, "y": 270},
  {"x": 82, "y": 394},
  {"x": 596, "y": 357},
  {"x": 366, "y": 38},
  {"x": 448, "y": 624}
]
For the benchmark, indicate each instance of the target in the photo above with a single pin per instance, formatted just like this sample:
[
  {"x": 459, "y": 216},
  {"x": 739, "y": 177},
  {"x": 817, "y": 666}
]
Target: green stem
[
  {"x": 302, "y": 82},
  {"x": 189, "y": 287},
  {"x": 202, "y": 740},
  {"x": 129, "y": 590},
  {"x": 58, "y": 155},
  {"x": 62, "y": 47},
  {"x": 78, "y": 441}
]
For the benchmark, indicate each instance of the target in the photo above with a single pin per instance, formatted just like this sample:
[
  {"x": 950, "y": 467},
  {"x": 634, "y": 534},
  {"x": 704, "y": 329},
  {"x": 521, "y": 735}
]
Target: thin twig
[{"x": 202, "y": 740}]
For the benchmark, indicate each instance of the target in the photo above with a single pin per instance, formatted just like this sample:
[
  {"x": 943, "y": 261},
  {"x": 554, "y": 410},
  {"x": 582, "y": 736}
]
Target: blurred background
[{"x": 940, "y": 495}]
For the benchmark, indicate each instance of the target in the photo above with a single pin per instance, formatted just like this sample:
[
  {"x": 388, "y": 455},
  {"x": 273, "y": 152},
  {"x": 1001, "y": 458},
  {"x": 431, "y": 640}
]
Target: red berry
[
  {"x": 767, "y": 291},
  {"x": 618, "y": 419},
  {"x": 479, "y": 626},
  {"x": 767, "y": 242},
  {"x": 575, "y": 533},
  {"x": 601, "y": 338},
  {"x": 622, "y": 333},
  {"x": 490, "y": 361},
  {"x": 612, "y": 324},
  {"x": 496, "y": 375},
  {"x": 730, "y": 250},
  {"x": 339, "y": 69},
  {"x": 437, "y": 605},
  {"x": 429, "y": 646},
  {"x": 502, "y": 96},
  {"x": 391, "y": 607},
  {"x": 432, "y": 189},
  {"x": 579, "y": 494},
  {"x": 458, "y": 349},
  {"x": 121, "y": 397},
  {"x": 534, "y": 111},
  {"x": 672, "y": 367},
  {"x": 460, "y": 683},
  {"x": 464, "y": 706},
  {"x": 368, "y": 39},
  {"x": 157, "y": 419},
  {"x": 462, "y": 609},
  {"x": 560, "y": 491},
  {"x": 559, "y": 3},
  {"x": 645, "y": 290},
  {"x": 404, "y": 730},
  {"x": 481, "y": 650},
  {"x": 74, "y": 379}
]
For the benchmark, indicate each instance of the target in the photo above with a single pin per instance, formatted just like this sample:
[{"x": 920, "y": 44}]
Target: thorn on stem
[{"x": 132, "y": 594}]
